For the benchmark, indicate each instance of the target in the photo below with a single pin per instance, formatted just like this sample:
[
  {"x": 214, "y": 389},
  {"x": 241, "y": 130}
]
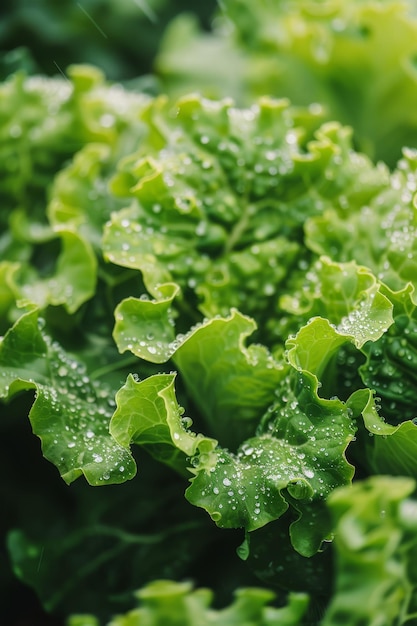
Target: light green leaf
[
  {"x": 298, "y": 456},
  {"x": 385, "y": 226},
  {"x": 146, "y": 327},
  {"x": 314, "y": 346},
  {"x": 133, "y": 240},
  {"x": 148, "y": 414},
  {"x": 364, "y": 401},
  {"x": 171, "y": 603},
  {"x": 396, "y": 454},
  {"x": 370, "y": 320},
  {"x": 261, "y": 269},
  {"x": 105, "y": 113},
  {"x": 77, "y": 192},
  {"x": 8, "y": 271},
  {"x": 346, "y": 294},
  {"x": 374, "y": 543},
  {"x": 231, "y": 383},
  {"x": 70, "y": 414},
  {"x": 393, "y": 447},
  {"x": 72, "y": 282},
  {"x": 36, "y": 138}
]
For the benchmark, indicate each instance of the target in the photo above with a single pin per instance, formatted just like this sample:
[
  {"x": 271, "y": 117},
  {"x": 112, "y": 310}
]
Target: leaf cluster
[{"x": 214, "y": 301}]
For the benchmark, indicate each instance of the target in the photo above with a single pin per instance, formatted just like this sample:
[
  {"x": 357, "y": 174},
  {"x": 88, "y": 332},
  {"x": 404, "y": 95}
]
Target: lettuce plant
[{"x": 214, "y": 301}]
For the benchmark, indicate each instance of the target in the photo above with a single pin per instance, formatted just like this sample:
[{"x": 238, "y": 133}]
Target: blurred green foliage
[
  {"x": 356, "y": 58},
  {"x": 119, "y": 36}
]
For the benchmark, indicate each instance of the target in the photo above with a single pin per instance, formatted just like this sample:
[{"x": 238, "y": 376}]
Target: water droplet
[{"x": 186, "y": 422}]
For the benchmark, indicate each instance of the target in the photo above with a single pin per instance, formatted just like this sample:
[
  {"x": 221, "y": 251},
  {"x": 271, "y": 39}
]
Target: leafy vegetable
[{"x": 218, "y": 302}]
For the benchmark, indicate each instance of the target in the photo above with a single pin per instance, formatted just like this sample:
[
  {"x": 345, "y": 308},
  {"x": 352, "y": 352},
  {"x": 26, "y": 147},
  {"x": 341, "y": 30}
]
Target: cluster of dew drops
[{"x": 80, "y": 413}]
